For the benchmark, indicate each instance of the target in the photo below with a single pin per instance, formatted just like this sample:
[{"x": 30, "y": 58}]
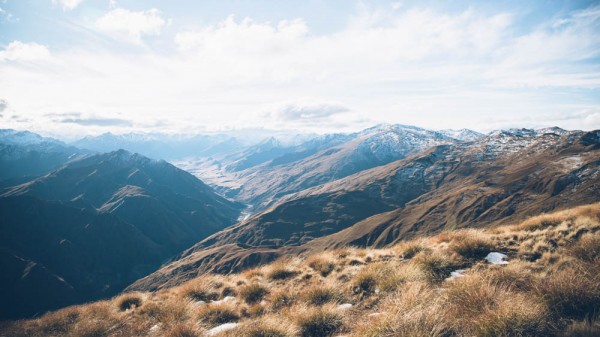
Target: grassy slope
[{"x": 551, "y": 286}]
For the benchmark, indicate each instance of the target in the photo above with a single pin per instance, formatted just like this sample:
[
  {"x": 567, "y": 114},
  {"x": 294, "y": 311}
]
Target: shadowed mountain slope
[{"x": 102, "y": 222}]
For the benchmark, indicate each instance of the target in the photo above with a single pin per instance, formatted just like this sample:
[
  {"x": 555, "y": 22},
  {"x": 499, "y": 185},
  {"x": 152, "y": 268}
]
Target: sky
[{"x": 77, "y": 67}]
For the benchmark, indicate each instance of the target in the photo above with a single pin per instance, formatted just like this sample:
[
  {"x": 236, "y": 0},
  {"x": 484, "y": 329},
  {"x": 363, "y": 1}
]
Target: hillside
[
  {"x": 498, "y": 178},
  {"x": 539, "y": 277},
  {"x": 98, "y": 224},
  {"x": 25, "y": 154},
  {"x": 267, "y": 172}
]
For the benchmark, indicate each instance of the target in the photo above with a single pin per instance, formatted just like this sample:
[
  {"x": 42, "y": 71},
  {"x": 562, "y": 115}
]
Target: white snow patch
[
  {"x": 221, "y": 328},
  {"x": 344, "y": 306},
  {"x": 496, "y": 258},
  {"x": 571, "y": 164},
  {"x": 224, "y": 300},
  {"x": 155, "y": 328},
  {"x": 456, "y": 274}
]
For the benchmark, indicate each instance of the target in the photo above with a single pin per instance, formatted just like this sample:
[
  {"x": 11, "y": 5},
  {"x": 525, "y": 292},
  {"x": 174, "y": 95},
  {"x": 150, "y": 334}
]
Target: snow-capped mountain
[
  {"x": 16, "y": 137},
  {"x": 464, "y": 135},
  {"x": 387, "y": 143},
  {"x": 24, "y": 153}
]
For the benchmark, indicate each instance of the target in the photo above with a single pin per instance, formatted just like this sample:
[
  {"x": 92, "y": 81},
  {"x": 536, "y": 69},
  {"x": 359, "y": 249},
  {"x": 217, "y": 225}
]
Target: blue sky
[{"x": 75, "y": 67}]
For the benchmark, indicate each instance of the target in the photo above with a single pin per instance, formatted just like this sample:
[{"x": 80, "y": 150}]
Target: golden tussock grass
[
  {"x": 253, "y": 293},
  {"x": 268, "y": 326},
  {"x": 215, "y": 314},
  {"x": 319, "y": 295},
  {"x": 471, "y": 244},
  {"x": 318, "y": 322},
  {"x": 129, "y": 301},
  {"x": 550, "y": 287},
  {"x": 324, "y": 266}
]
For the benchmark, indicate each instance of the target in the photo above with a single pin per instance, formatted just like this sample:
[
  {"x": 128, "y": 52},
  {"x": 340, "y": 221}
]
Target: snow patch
[
  {"x": 155, "y": 329},
  {"x": 456, "y": 274},
  {"x": 344, "y": 306},
  {"x": 221, "y": 328},
  {"x": 496, "y": 258},
  {"x": 224, "y": 300}
]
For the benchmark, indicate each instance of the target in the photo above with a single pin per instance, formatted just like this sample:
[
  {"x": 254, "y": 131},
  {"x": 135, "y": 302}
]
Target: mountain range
[
  {"x": 90, "y": 219},
  {"x": 445, "y": 187}
]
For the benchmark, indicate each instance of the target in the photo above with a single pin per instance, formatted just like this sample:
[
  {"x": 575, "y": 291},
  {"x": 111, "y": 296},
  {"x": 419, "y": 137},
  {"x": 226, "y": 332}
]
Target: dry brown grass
[
  {"x": 320, "y": 295},
  {"x": 414, "y": 311},
  {"x": 253, "y": 293},
  {"x": 583, "y": 329},
  {"x": 268, "y": 326},
  {"x": 471, "y": 244},
  {"x": 322, "y": 265},
  {"x": 480, "y": 307},
  {"x": 183, "y": 330},
  {"x": 171, "y": 312},
  {"x": 551, "y": 286},
  {"x": 129, "y": 301},
  {"x": 318, "y": 322},
  {"x": 573, "y": 292},
  {"x": 587, "y": 248},
  {"x": 200, "y": 289},
  {"x": 281, "y": 271},
  {"x": 215, "y": 314},
  {"x": 281, "y": 299},
  {"x": 436, "y": 266}
]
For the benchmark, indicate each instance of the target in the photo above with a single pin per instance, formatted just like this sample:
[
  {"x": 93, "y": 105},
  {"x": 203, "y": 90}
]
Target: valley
[{"x": 94, "y": 224}]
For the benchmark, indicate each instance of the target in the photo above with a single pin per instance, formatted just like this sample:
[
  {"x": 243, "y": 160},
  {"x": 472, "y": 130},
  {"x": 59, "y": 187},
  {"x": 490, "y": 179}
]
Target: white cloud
[
  {"x": 130, "y": 25},
  {"x": 67, "y": 5},
  {"x": 293, "y": 112},
  {"x": 412, "y": 66},
  {"x": 20, "y": 51}
]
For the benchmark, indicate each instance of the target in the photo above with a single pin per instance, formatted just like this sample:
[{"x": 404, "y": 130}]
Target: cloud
[
  {"x": 97, "y": 121},
  {"x": 412, "y": 65},
  {"x": 304, "y": 112},
  {"x": 131, "y": 26},
  {"x": 245, "y": 36},
  {"x": 67, "y": 5},
  {"x": 64, "y": 114},
  {"x": 3, "y": 105},
  {"x": 21, "y": 51},
  {"x": 7, "y": 16}
]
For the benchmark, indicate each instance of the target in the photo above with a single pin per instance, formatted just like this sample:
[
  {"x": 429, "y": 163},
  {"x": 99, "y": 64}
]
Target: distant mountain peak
[
  {"x": 10, "y": 136},
  {"x": 462, "y": 134}
]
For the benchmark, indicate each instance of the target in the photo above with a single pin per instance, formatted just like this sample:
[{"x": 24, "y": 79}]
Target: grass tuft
[
  {"x": 218, "y": 314},
  {"x": 321, "y": 322},
  {"x": 319, "y": 295},
  {"x": 587, "y": 248},
  {"x": 471, "y": 245},
  {"x": 321, "y": 265},
  {"x": 129, "y": 301},
  {"x": 573, "y": 292},
  {"x": 435, "y": 266},
  {"x": 253, "y": 293}
]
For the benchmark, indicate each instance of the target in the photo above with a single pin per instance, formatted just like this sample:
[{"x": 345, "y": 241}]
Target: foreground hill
[
  {"x": 97, "y": 224},
  {"x": 539, "y": 277},
  {"x": 505, "y": 176}
]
